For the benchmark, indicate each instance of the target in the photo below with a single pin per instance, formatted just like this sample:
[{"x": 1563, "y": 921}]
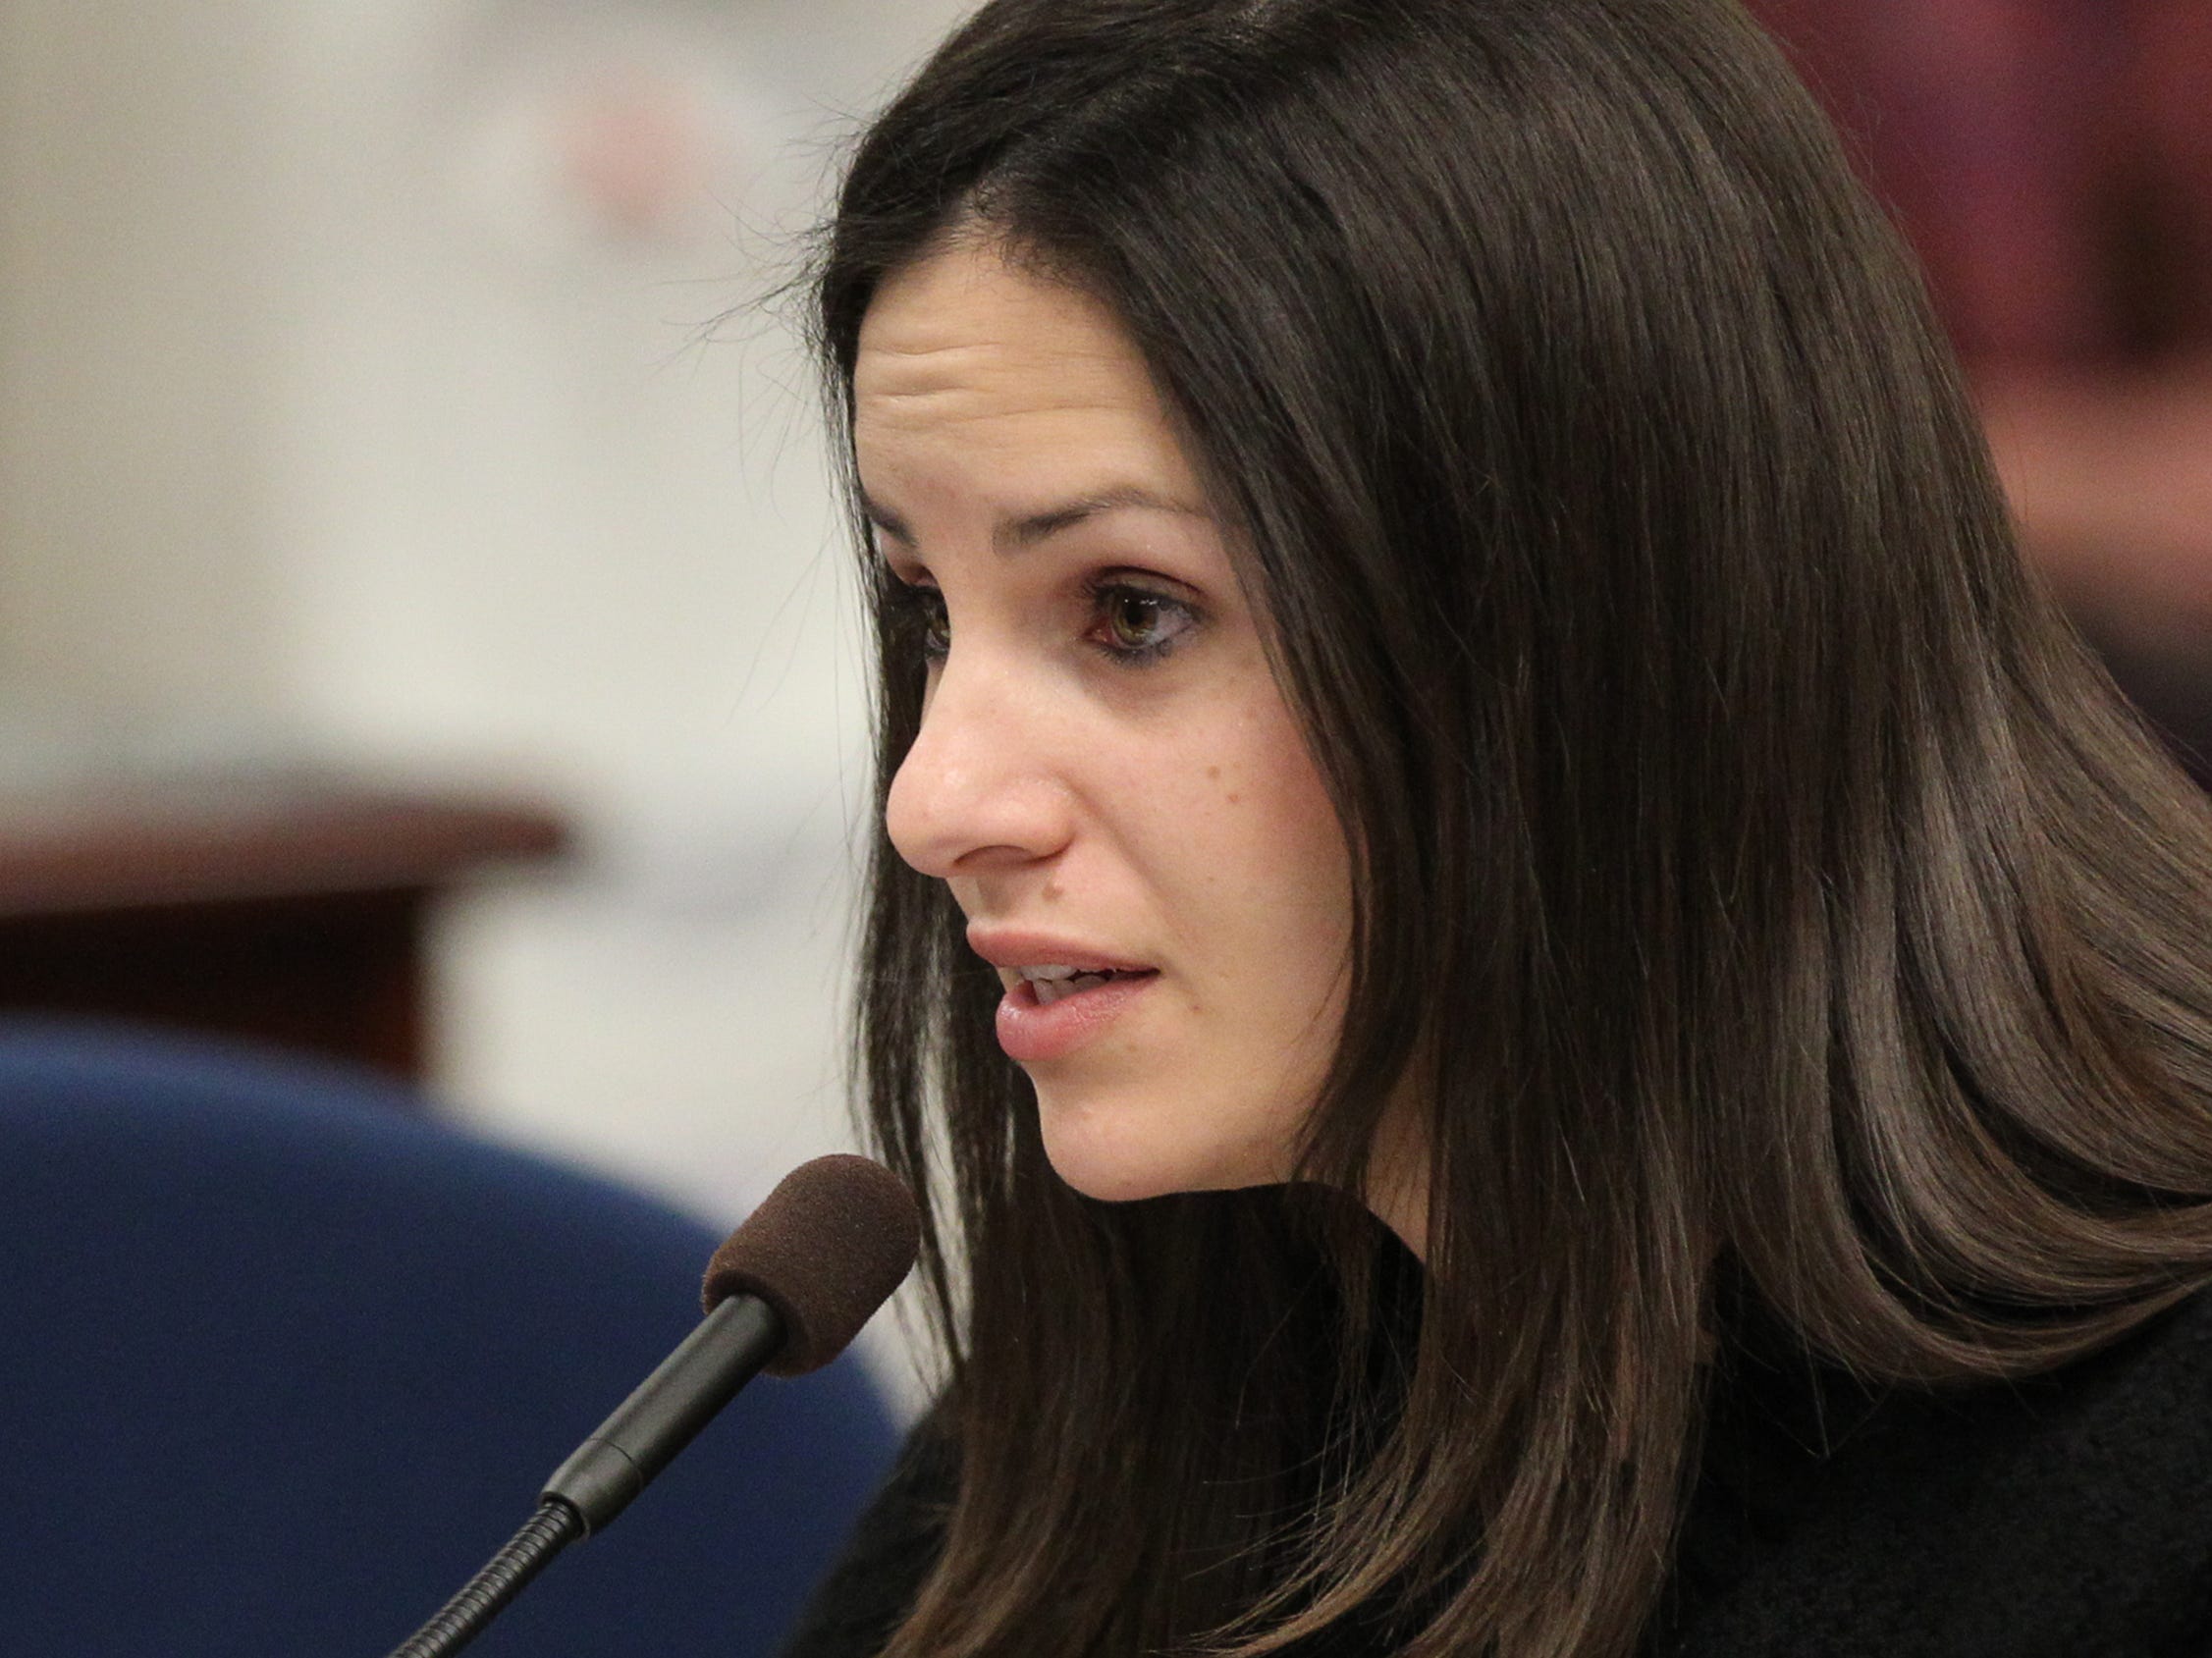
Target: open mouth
[
  {"x": 1055, "y": 984},
  {"x": 1048, "y": 1012}
]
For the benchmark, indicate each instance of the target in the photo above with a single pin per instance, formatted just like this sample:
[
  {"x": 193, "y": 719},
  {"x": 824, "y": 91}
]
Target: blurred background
[
  {"x": 425, "y": 633},
  {"x": 424, "y": 628},
  {"x": 2051, "y": 162}
]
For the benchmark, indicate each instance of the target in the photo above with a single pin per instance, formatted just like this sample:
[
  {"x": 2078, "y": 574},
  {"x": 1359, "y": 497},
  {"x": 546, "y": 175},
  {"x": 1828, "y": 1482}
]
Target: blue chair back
[{"x": 282, "y": 1363}]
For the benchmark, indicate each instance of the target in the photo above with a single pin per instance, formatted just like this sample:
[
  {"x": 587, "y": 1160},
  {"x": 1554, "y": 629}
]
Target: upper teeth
[{"x": 1035, "y": 973}]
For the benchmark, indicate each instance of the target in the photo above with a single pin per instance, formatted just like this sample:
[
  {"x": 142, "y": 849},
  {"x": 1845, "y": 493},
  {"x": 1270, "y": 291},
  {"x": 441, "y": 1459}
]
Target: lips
[
  {"x": 1034, "y": 1030},
  {"x": 1061, "y": 992},
  {"x": 1016, "y": 952}
]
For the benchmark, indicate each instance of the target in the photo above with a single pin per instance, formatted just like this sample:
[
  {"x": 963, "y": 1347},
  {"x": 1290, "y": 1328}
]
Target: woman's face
[{"x": 1106, "y": 774}]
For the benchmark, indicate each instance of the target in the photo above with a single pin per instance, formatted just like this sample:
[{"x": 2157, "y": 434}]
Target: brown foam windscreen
[{"x": 825, "y": 1250}]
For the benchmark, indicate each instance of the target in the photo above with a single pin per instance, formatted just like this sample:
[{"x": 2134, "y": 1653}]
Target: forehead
[{"x": 967, "y": 353}]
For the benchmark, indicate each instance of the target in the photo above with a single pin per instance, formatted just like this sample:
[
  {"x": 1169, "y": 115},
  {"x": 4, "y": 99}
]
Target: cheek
[
  {"x": 1267, "y": 873},
  {"x": 1276, "y": 914},
  {"x": 1226, "y": 843}
]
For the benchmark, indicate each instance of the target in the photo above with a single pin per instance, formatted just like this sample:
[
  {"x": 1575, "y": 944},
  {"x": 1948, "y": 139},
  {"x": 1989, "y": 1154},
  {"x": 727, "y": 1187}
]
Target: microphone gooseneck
[
  {"x": 786, "y": 1292},
  {"x": 543, "y": 1535}
]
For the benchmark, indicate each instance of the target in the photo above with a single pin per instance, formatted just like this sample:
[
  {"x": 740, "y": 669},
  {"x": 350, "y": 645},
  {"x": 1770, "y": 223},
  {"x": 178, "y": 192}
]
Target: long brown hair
[{"x": 1759, "y": 879}]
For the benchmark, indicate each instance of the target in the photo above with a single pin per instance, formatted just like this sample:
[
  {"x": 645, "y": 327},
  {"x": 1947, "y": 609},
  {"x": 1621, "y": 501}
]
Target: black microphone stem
[{"x": 667, "y": 1411}]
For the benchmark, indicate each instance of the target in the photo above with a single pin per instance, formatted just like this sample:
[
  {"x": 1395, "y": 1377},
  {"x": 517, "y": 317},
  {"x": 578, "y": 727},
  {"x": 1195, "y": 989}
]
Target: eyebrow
[{"x": 1030, "y": 528}]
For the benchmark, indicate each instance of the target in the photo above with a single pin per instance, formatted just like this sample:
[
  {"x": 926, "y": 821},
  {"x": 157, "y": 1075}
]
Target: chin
[{"x": 1120, "y": 1156}]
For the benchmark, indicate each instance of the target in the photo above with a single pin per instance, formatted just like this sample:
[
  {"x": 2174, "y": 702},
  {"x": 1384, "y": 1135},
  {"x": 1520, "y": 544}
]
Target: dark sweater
[{"x": 2069, "y": 1517}]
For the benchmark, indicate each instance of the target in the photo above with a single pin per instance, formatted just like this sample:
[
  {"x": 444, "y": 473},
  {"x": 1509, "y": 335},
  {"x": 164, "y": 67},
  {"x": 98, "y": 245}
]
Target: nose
[{"x": 979, "y": 788}]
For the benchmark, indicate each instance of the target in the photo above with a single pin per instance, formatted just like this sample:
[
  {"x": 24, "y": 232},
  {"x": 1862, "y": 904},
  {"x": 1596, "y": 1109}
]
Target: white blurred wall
[{"x": 337, "y": 415}]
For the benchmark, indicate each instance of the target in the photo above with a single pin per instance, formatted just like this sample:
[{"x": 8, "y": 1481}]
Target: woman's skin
[{"x": 1106, "y": 774}]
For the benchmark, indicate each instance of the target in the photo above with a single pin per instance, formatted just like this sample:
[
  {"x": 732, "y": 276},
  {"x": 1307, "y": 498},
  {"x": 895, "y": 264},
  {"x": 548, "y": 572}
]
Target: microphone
[{"x": 786, "y": 1292}]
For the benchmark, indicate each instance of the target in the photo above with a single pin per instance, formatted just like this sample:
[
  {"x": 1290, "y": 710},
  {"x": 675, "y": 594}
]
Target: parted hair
[{"x": 1765, "y": 897}]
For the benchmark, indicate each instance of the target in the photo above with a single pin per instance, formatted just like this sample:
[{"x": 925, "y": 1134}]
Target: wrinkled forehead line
[
  {"x": 983, "y": 249},
  {"x": 968, "y": 227},
  {"x": 965, "y": 336}
]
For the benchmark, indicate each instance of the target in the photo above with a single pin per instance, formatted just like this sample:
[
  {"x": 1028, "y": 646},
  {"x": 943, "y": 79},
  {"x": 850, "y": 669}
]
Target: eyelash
[{"x": 914, "y": 616}]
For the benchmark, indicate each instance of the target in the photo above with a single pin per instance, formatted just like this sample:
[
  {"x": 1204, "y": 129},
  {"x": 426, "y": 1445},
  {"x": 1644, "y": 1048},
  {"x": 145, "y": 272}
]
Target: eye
[
  {"x": 1136, "y": 625},
  {"x": 936, "y": 623},
  {"x": 914, "y": 615}
]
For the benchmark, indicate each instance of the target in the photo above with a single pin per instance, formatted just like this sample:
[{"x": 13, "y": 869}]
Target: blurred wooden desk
[{"x": 284, "y": 911}]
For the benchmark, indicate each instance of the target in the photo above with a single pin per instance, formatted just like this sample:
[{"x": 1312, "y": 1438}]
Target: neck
[{"x": 1398, "y": 1185}]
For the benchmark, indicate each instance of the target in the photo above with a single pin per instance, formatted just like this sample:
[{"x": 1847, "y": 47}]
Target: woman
[{"x": 1544, "y": 1006}]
